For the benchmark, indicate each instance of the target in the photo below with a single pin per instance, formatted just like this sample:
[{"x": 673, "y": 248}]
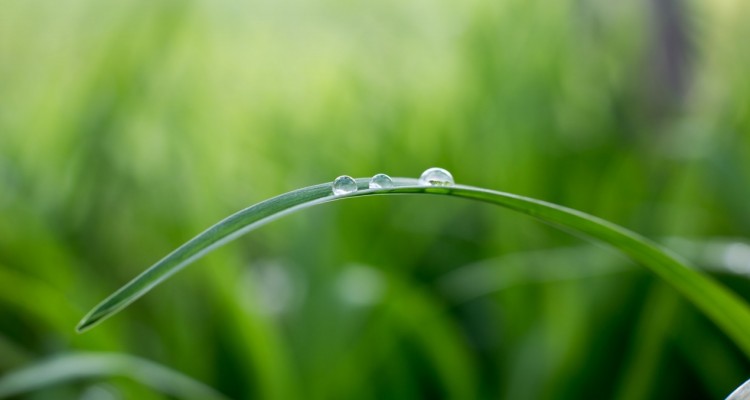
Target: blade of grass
[
  {"x": 741, "y": 393},
  {"x": 481, "y": 278},
  {"x": 77, "y": 366},
  {"x": 650, "y": 339},
  {"x": 725, "y": 308}
]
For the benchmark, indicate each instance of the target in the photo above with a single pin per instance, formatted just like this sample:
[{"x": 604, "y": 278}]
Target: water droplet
[
  {"x": 381, "y": 181},
  {"x": 344, "y": 184},
  {"x": 436, "y": 177}
]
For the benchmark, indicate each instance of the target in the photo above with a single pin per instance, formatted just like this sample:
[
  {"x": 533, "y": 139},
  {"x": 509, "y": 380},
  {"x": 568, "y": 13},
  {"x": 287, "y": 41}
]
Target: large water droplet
[
  {"x": 344, "y": 184},
  {"x": 381, "y": 181},
  {"x": 436, "y": 177}
]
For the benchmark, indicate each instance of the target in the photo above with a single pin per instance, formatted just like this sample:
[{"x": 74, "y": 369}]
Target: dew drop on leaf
[
  {"x": 381, "y": 181},
  {"x": 343, "y": 185},
  {"x": 436, "y": 177}
]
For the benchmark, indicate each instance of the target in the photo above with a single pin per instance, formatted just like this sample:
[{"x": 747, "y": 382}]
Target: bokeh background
[{"x": 128, "y": 127}]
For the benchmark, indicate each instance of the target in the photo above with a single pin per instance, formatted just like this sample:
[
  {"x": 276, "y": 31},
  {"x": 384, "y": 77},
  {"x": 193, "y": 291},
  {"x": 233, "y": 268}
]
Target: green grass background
[{"x": 128, "y": 127}]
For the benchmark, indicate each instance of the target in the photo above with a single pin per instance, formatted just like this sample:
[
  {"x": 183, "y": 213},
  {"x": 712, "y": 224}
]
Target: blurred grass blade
[
  {"x": 77, "y": 366},
  {"x": 741, "y": 393},
  {"x": 481, "y": 278},
  {"x": 725, "y": 308}
]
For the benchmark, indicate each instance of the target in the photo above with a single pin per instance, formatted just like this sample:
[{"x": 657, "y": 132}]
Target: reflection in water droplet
[
  {"x": 344, "y": 184},
  {"x": 436, "y": 177},
  {"x": 381, "y": 181}
]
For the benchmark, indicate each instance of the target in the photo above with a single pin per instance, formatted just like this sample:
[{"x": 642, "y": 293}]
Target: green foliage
[
  {"x": 79, "y": 366},
  {"x": 127, "y": 127}
]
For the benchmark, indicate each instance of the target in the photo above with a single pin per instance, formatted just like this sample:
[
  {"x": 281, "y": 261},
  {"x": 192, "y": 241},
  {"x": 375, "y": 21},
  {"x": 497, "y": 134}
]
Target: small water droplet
[
  {"x": 344, "y": 184},
  {"x": 381, "y": 181},
  {"x": 436, "y": 177}
]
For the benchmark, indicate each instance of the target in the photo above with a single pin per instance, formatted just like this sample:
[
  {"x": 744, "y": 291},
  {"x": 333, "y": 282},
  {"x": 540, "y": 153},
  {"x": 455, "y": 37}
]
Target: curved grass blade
[
  {"x": 77, "y": 366},
  {"x": 725, "y": 308},
  {"x": 741, "y": 393}
]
